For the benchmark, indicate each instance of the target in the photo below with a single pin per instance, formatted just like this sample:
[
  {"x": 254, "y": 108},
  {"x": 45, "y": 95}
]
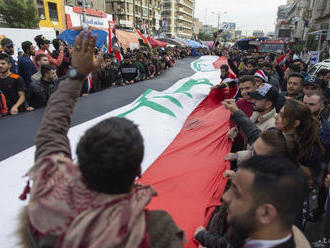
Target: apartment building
[
  {"x": 197, "y": 26},
  {"x": 321, "y": 14},
  {"x": 91, "y": 4},
  {"x": 136, "y": 13},
  {"x": 178, "y": 18}
]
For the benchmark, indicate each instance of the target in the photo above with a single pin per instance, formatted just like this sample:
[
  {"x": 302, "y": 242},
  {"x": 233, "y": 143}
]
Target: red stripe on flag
[
  {"x": 188, "y": 176},
  {"x": 222, "y": 61}
]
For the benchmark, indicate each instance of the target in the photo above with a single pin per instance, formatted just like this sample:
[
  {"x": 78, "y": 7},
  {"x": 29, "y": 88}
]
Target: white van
[{"x": 314, "y": 69}]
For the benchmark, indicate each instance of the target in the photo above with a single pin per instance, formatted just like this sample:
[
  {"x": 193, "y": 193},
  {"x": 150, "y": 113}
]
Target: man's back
[
  {"x": 26, "y": 69},
  {"x": 62, "y": 205}
]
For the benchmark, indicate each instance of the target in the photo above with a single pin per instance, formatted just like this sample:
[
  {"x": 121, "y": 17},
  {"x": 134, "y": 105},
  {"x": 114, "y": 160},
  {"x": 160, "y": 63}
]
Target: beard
[
  {"x": 255, "y": 108},
  {"x": 245, "y": 224}
]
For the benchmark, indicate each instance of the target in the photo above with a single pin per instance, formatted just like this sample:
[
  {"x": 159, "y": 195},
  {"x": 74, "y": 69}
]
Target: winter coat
[{"x": 262, "y": 123}]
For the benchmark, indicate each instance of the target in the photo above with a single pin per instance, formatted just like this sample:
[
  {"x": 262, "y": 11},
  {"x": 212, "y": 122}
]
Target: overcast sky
[{"x": 249, "y": 15}]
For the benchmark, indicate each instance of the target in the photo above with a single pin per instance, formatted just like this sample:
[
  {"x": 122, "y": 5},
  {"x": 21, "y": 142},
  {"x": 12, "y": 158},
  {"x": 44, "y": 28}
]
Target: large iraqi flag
[{"x": 184, "y": 131}]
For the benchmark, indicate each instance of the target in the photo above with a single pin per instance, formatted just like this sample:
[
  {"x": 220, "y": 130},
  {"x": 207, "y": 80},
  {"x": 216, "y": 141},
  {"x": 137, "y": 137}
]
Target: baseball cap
[
  {"x": 6, "y": 42},
  {"x": 40, "y": 39},
  {"x": 312, "y": 82},
  {"x": 266, "y": 91}
]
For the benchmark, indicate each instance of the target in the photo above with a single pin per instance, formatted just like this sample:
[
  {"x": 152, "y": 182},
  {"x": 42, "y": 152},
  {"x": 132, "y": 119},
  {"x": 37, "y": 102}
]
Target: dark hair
[
  {"x": 267, "y": 64},
  {"x": 282, "y": 144},
  {"x": 260, "y": 57},
  {"x": 26, "y": 46},
  {"x": 298, "y": 60},
  {"x": 295, "y": 74},
  {"x": 317, "y": 93},
  {"x": 39, "y": 56},
  {"x": 308, "y": 129},
  {"x": 225, "y": 67},
  {"x": 279, "y": 182},
  {"x": 4, "y": 56},
  {"x": 247, "y": 78},
  {"x": 44, "y": 69},
  {"x": 252, "y": 62},
  {"x": 110, "y": 155},
  {"x": 295, "y": 68},
  {"x": 107, "y": 56},
  {"x": 56, "y": 43}
]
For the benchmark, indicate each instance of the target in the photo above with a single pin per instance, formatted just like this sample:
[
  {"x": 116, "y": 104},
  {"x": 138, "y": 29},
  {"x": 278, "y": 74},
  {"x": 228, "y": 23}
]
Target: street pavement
[{"x": 17, "y": 132}]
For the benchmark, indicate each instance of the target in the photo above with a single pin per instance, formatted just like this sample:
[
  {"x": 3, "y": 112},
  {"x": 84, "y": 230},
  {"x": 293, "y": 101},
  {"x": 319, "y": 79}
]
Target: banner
[{"x": 315, "y": 57}]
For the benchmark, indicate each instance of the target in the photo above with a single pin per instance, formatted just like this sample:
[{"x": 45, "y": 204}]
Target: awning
[
  {"x": 69, "y": 36},
  {"x": 156, "y": 43},
  {"x": 127, "y": 39},
  {"x": 170, "y": 41}
]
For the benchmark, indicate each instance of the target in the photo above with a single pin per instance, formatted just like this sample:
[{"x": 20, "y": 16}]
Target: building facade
[
  {"x": 177, "y": 16},
  {"x": 91, "y": 4},
  {"x": 208, "y": 29},
  {"x": 258, "y": 33},
  {"x": 51, "y": 14},
  {"x": 300, "y": 18},
  {"x": 197, "y": 25},
  {"x": 321, "y": 23},
  {"x": 143, "y": 14}
]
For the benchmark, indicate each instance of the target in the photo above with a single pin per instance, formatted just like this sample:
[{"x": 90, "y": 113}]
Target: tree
[
  {"x": 19, "y": 13},
  {"x": 205, "y": 36}
]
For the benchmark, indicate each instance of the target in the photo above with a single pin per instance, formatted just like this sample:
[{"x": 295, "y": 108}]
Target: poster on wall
[{"x": 315, "y": 57}]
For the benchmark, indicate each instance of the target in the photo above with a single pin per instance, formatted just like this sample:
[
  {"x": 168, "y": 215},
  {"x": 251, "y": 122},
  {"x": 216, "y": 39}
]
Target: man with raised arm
[{"x": 95, "y": 202}]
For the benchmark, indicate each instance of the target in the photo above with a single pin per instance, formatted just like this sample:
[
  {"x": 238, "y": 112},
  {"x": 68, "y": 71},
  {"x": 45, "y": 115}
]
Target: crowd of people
[
  {"x": 279, "y": 110},
  {"x": 279, "y": 128},
  {"x": 26, "y": 84}
]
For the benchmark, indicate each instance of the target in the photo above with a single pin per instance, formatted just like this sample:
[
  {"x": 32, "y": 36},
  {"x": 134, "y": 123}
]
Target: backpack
[{"x": 3, "y": 104}]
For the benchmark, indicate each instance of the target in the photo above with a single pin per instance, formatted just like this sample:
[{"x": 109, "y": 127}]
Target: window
[
  {"x": 41, "y": 11},
  {"x": 52, "y": 7},
  {"x": 144, "y": 11}
]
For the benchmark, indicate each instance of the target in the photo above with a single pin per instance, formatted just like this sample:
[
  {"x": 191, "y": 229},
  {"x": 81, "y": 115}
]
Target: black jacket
[
  {"x": 129, "y": 72},
  {"x": 40, "y": 92},
  {"x": 245, "y": 125}
]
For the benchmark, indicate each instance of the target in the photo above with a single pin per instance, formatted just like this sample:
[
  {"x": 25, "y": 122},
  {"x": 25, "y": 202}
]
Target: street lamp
[
  {"x": 84, "y": 24},
  {"x": 219, "y": 13}
]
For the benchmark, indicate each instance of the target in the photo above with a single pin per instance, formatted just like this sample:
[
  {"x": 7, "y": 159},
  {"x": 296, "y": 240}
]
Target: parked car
[{"x": 314, "y": 69}]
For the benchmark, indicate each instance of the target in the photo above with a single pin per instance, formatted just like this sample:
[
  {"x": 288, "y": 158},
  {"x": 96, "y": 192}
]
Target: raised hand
[
  {"x": 83, "y": 54},
  {"x": 230, "y": 105}
]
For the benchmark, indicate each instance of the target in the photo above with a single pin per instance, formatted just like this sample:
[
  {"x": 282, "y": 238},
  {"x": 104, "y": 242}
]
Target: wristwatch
[{"x": 74, "y": 74}]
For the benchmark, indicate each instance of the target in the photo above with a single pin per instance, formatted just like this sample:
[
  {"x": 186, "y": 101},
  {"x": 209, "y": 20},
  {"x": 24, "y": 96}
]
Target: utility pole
[
  {"x": 206, "y": 16},
  {"x": 193, "y": 21},
  {"x": 84, "y": 24},
  {"x": 133, "y": 13},
  {"x": 148, "y": 6}
]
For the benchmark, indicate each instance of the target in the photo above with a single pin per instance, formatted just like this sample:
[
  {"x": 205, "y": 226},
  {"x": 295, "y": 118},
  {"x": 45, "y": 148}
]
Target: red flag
[{"x": 110, "y": 40}]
